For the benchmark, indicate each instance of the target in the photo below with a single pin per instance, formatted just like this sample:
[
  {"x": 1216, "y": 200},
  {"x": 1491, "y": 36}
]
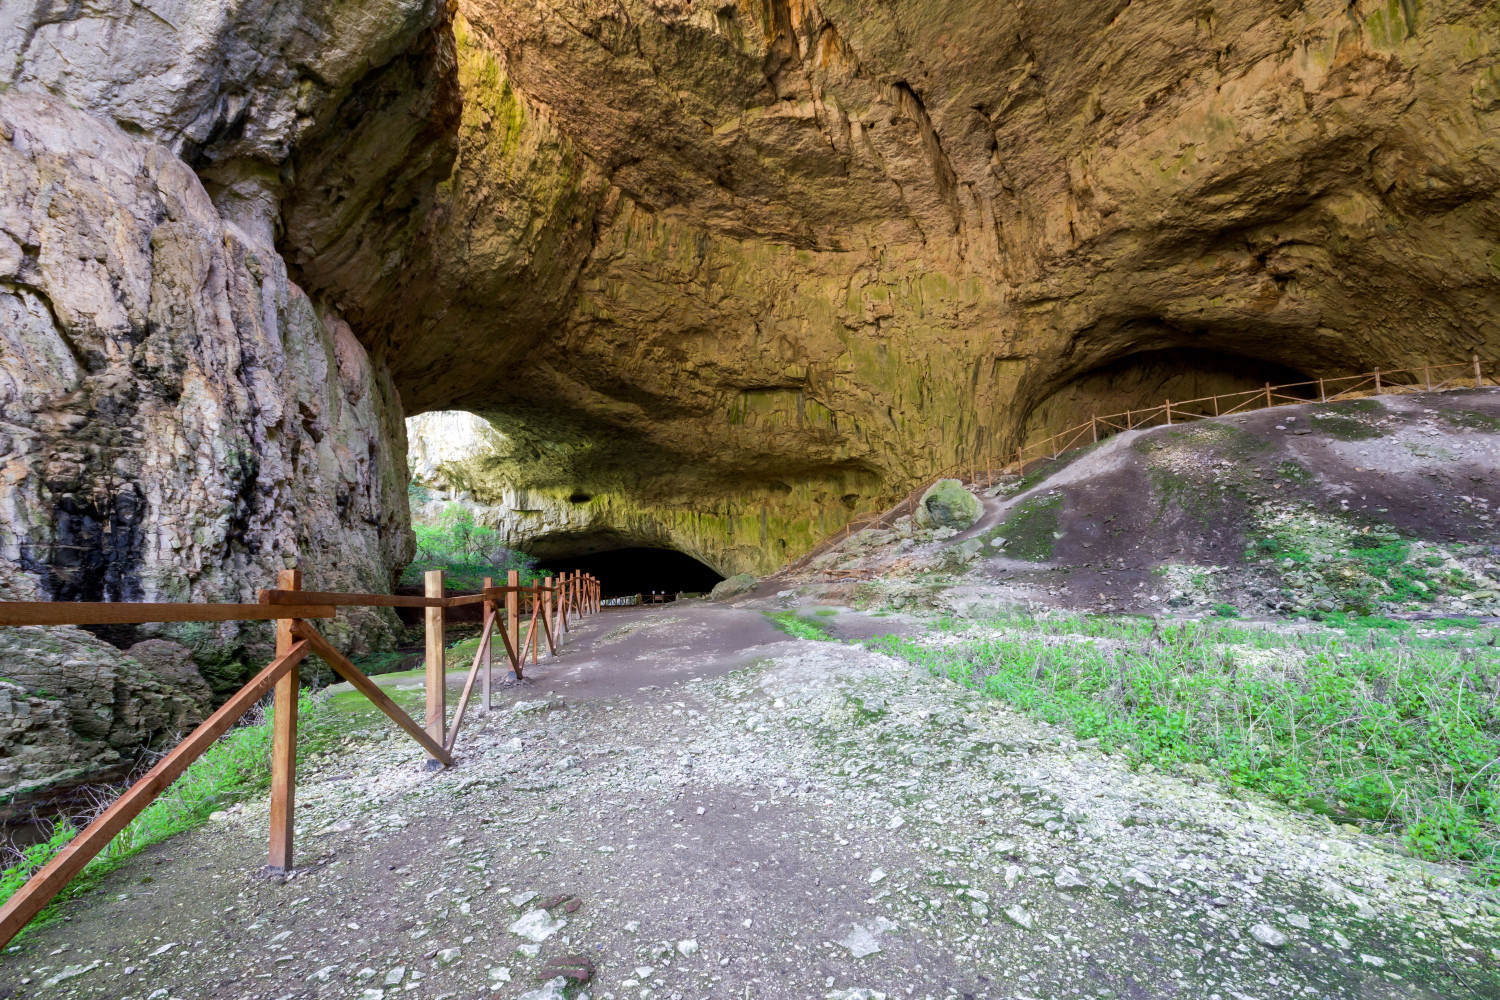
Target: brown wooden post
[
  {"x": 490, "y": 609},
  {"x": 1427, "y": 375},
  {"x": 1169, "y": 413},
  {"x": 513, "y": 617},
  {"x": 1094, "y": 427},
  {"x": 548, "y": 597},
  {"x": 1268, "y": 394},
  {"x": 436, "y": 677},
  {"x": 1216, "y": 405},
  {"x": 1478, "y": 380},
  {"x": 284, "y": 738},
  {"x": 1377, "y": 381},
  {"x": 536, "y": 623},
  {"x": 1128, "y": 425},
  {"x": 1322, "y": 394}
]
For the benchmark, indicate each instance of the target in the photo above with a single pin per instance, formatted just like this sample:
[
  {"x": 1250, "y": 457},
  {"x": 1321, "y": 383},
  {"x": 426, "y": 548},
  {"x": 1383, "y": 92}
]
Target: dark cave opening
[{"x": 639, "y": 571}]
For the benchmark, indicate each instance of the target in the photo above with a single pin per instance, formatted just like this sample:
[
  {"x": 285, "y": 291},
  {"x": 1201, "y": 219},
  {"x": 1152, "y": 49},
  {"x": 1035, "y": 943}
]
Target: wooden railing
[
  {"x": 549, "y": 607},
  {"x": 1429, "y": 378}
]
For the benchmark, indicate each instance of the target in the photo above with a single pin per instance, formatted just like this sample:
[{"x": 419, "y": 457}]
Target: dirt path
[{"x": 739, "y": 814}]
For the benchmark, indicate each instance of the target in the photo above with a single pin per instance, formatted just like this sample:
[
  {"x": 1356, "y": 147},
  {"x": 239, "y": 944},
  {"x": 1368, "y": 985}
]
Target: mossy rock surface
[
  {"x": 740, "y": 583},
  {"x": 947, "y": 504}
]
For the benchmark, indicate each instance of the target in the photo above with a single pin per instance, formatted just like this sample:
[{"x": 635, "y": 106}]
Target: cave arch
[
  {"x": 1142, "y": 379},
  {"x": 624, "y": 565}
]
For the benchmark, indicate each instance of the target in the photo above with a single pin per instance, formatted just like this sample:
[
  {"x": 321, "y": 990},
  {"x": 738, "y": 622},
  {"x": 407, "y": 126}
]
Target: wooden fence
[
  {"x": 1429, "y": 378},
  {"x": 548, "y": 608}
]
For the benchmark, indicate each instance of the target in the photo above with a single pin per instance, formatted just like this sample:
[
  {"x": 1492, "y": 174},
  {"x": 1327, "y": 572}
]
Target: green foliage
[
  {"x": 1226, "y": 611},
  {"x": 237, "y": 766},
  {"x": 1385, "y": 727},
  {"x": 798, "y": 627},
  {"x": 467, "y": 551}
]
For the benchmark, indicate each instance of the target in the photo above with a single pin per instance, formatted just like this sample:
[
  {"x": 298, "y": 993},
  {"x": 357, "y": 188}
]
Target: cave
[{"x": 640, "y": 570}]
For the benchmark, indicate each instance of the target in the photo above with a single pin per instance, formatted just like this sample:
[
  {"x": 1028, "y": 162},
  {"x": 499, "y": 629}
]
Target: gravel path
[{"x": 688, "y": 804}]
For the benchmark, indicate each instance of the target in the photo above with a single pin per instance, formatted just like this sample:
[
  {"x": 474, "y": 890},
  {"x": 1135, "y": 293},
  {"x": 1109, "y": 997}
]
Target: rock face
[
  {"x": 181, "y": 419},
  {"x": 830, "y": 250},
  {"x": 178, "y": 418},
  {"x": 75, "y": 711}
]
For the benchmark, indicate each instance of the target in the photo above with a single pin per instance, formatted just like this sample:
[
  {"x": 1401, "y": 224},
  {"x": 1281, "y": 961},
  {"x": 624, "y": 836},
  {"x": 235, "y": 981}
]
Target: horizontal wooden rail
[
  {"x": 275, "y": 597},
  {"x": 576, "y": 594},
  {"x": 47, "y": 883},
  {"x": 89, "y": 613}
]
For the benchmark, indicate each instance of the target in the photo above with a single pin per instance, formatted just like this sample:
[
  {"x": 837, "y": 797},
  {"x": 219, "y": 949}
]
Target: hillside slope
[{"x": 1378, "y": 505}]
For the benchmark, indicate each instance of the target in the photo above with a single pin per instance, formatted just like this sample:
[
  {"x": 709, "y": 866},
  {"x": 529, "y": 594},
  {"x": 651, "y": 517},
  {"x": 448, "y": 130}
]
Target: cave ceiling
[{"x": 700, "y": 254}]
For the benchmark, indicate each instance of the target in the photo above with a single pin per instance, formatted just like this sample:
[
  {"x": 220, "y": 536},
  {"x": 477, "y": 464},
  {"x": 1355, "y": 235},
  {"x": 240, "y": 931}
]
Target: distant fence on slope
[{"x": 1428, "y": 378}]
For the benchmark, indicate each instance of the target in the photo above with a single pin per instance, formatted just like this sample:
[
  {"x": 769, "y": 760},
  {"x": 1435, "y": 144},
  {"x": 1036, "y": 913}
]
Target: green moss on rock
[{"x": 947, "y": 504}]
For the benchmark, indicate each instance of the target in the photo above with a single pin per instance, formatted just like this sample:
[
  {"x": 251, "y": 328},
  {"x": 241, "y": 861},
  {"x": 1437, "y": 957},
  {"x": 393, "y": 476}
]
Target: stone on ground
[{"x": 947, "y": 504}]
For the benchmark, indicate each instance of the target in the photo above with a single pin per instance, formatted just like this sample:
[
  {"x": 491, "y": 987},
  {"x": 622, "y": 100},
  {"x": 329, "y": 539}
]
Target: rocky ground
[
  {"x": 689, "y": 803},
  {"x": 1384, "y": 505}
]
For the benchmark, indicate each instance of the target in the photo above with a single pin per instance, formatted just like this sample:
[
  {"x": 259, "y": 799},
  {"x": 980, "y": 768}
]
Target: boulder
[
  {"x": 740, "y": 583},
  {"x": 75, "y": 710},
  {"x": 947, "y": 504}
]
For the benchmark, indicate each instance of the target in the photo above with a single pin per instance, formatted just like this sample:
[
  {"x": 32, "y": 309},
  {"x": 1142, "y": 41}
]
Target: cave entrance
[{"x": 644, "y": 571}]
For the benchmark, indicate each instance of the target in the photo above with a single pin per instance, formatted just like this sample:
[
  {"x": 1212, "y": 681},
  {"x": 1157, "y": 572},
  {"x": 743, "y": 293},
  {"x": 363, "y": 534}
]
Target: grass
[
  {"x": 1387, "y": 726},
  {"x": 796, "y": 626},
  {"x": 1031, "y": 530},
  {"x": 235, "y": 767}
]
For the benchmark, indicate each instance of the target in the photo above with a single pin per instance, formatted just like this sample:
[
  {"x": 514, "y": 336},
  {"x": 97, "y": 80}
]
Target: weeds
[
  {"x": 798, "y": 627},
  {"x": 1388, "y": 727}
]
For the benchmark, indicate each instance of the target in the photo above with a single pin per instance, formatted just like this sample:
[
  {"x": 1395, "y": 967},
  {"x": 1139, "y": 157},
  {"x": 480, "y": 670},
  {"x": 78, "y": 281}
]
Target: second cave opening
[{"x": 626, "y": 571}]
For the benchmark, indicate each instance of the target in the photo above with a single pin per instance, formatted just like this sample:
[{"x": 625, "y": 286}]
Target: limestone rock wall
[
  {"x": 181, "y": 420},
  {"x": 837, "y": 247}
]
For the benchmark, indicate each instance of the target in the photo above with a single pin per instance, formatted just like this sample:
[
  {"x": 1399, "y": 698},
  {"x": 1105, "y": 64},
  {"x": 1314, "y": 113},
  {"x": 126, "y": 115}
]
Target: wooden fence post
[
  {"x": 1128, "y": 425},
  {"x": 1322, "y": 394},
  {"x": 1478, "y": 380},
  {"x": 1268, "y": 394},
  {"x": 1377, "y": 381},
  {"x": 1169, "y": 413},
  {"x": 1427, "y": 375},
  {"x": 284, "y": 738},
  {"x": 513, "y": 618},
  {"x": 490, "y": 609},
  {"x": 1094, "y": 427},
  {"x": 547, "y": 600},
  {"x": 437, "y": 675},
  {"x": 1216, "y": 405}
]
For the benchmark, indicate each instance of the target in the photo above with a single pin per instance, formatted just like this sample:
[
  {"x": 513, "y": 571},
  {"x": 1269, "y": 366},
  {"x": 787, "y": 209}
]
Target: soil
[{"x": 719, "y": 810}]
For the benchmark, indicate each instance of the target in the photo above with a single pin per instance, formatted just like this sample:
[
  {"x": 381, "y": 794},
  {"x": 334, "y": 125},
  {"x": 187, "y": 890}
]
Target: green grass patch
[
  {"x": 234, "y": 768},
  {"x": 1343, "y": 424},
  {"x": 795, "y": 625},
  {"x": 1030, "y": 532},
  {"x": 1472, "y": 419},
  {"x": 1389, "y": 728}
]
